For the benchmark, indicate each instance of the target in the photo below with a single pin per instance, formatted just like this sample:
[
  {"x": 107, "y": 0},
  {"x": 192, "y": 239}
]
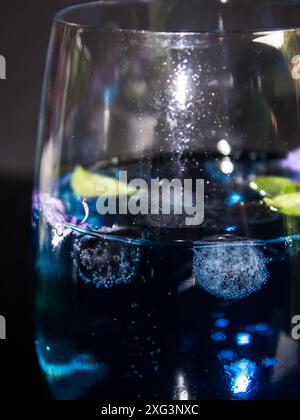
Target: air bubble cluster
[
  {"x": 230, "y": 270},
  {"x": 105, "y": 264}
]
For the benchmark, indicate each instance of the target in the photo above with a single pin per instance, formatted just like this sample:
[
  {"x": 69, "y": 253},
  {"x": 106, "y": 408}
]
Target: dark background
[{"x": 24, "y": 33}]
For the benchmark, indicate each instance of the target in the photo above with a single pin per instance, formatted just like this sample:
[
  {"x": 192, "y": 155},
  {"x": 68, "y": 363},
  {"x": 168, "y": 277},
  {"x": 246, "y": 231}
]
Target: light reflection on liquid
[
  {"x": 181, "y": 392},
  {"x": 242, "y": 376}
]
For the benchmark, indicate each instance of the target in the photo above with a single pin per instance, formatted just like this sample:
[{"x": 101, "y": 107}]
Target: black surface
[{"x": 19, "y": 373}]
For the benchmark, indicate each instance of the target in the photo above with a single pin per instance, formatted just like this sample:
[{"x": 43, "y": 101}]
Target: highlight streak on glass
[
  {"x": 82, "y": 363},
  {"x": 86, "y": 210}
]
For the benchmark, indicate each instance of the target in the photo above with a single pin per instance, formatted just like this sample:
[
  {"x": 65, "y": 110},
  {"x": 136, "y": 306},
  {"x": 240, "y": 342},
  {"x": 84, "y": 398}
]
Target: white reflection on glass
[{"x": 181, "y": 392}]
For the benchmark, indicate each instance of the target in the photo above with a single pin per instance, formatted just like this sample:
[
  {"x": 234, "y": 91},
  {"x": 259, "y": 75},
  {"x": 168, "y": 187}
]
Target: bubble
[
  {"x": 230, "y": 270},
  {"x": 105, "y": 264}
]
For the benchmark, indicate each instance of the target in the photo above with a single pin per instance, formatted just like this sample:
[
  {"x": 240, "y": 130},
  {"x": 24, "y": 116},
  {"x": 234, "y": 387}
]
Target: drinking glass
[{"x": 153, "y": 110}]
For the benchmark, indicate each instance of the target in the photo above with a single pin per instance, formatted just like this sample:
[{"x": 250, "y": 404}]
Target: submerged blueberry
[
  {"x": 105, "y": 264},
  {"x": 229, "y": 270}
]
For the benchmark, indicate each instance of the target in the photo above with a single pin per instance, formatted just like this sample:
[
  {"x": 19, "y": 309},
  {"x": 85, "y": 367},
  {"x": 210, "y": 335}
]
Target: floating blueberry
[
  {"x": 105, "y": 264},
  {"x": 229, "y": 270}
]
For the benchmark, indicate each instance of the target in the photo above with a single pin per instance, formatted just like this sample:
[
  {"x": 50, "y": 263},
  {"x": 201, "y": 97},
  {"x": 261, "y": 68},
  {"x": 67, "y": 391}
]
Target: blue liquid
[{"x": 139, "y": 311}]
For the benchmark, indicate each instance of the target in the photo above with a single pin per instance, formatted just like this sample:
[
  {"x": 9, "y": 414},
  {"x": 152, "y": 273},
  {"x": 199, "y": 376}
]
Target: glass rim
[{"x": 63, "y": 17}]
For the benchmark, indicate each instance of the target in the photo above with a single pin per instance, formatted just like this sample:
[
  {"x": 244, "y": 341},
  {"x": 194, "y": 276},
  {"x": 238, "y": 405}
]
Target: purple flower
[
  {"x": 53, "y": 211},
  {"x": 292, "y": 162}
]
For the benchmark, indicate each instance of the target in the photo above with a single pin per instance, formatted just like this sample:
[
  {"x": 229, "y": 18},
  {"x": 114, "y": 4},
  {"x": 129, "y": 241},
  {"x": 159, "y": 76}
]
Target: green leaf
[
  {"x": 287, "y": 204},
  {"x": 271, "y": 186},
  {"x": 87, "y": 184}
]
